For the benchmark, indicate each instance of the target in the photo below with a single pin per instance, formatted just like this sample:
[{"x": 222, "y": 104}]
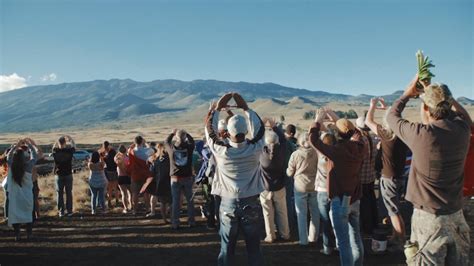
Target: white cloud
[
  {"x": 49, "y": 77},
  {"x": 11, "y": 82}
]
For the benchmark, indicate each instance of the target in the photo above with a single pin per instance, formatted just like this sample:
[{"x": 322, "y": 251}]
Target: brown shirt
[
  {"x": 394, "y": 154},
  {"x": 439, "y": 151},
  {"x": 346, "y": 157}
]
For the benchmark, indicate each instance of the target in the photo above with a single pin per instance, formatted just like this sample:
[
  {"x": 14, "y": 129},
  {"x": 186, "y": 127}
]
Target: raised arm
[
  {"x": 461, "y": 112},
  {"x": 256, "y": 126},
  {"x": 333, "y": 117},
  {"x": 327, "y": 150},
  {"x": 407, "y": 131},
  {"x": 73, "y": 143},
  {"x": 369, "y": 119},
  {"x": 191, "y": 142},
  {"x": 9, "y": 154},
  {"x": 169, "y": 141}
]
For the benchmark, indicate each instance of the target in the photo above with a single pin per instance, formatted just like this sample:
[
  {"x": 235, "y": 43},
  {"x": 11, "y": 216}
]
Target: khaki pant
[
  {"x": 275, "y": 210},
  {"x": 441, "y": 239}
]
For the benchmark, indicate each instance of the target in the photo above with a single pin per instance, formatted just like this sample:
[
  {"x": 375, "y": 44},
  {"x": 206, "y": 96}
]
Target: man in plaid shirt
[{"x": 368, "y": 202}]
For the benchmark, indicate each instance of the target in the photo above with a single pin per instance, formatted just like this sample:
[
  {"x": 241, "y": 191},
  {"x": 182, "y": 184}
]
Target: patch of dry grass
[{"x": 47, "y": 194}]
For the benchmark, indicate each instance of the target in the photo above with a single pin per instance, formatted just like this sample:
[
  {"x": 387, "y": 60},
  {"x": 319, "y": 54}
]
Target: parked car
[{"x": 79, "y": 155}]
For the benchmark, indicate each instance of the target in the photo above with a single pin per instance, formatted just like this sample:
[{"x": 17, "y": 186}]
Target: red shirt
[{"x": 469, "y": 168}]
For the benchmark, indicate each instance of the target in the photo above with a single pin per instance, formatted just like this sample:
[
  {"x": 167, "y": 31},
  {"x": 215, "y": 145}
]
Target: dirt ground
[{"x": 117, "y": 239}]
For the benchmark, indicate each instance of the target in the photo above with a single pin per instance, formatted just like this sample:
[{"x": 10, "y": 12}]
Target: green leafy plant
[{"x": 424, "y": 65}]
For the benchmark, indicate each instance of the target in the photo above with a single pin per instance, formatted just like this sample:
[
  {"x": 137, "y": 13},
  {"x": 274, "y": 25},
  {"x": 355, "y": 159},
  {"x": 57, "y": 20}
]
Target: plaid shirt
[{"x": 367, "y": 171}]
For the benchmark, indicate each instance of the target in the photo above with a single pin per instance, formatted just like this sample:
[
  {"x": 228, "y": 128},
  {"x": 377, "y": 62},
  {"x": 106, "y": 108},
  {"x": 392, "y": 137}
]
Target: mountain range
[{"x": 86, "y": 104}]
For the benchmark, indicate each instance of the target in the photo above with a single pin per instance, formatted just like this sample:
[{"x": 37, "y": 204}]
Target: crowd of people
[{"x": 254, "y": 170}]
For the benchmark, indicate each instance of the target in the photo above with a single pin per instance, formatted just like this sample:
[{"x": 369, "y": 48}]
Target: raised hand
[
  {"x": 223, "y": 101},
  {"x": 320, "y": 115},
  {"x": 241, "y": 103},
  {"x": 383, "y": 105},
  {"x": 271, "y": 122},
  {"x": 213, "y": 105},
  {"x": 411, "y": 91},
  {"x": 373, "y": 102}
]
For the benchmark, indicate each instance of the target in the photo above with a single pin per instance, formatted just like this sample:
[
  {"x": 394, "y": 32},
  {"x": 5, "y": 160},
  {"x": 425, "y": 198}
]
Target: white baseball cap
[
  {"x": 222, "y": 125},
  {"x": 237, "y": 125}
]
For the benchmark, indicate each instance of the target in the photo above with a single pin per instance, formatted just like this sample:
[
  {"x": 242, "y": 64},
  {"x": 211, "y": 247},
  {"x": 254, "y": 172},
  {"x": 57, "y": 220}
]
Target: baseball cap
[
  {"x": 222, "y": 125},
  {"x": 360, "y": 123},
  {"x": 436, "y": 94},
  {"x": 344, "y": 126},
  {"x": 237, "y": 124}
]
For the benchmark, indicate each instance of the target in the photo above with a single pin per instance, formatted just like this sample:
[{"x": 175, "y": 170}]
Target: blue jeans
[
  {"x": 303, "y": 202},
  {"x": 240, "y": 215},
  {"x": 185, "y": 184},
  {"x": 345, "y": 221},
  {"x": 324, "y": 206},
  {"x": 97, "y": 197},
  {"x": 64, "y": 183}
]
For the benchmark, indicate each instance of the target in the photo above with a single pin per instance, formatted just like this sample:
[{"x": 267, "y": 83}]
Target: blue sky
[{"x": 349, "y": 47}]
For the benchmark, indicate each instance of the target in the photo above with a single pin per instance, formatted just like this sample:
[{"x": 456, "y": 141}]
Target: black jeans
[
  {"x": 368, "y": 209},
  {"x": 29, "y": 229}
]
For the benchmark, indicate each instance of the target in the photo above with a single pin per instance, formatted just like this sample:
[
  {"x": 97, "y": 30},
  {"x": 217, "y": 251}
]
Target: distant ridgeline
[{"x": 85, "y": 104}]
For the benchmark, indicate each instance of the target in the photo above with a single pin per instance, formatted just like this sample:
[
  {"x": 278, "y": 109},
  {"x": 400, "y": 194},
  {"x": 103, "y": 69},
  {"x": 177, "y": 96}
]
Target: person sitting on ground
[
  {"x": 303, "y": 168},
  {"x": 108, "y": 153},
  {"x": 181, "y": 172},
  {"x": 439, "y": 144},
  {"x": 63, "y": 154},
  {"x": 124, "y": 181},
  {"x": 393, "y": 156},
  {"x": 139, "y": 171},
  {"x": 97, "y": 182},
  {"x": 344, "y": 187},
  {"x": 21, "y": 159},
  {"x": 273, "y": 199}
]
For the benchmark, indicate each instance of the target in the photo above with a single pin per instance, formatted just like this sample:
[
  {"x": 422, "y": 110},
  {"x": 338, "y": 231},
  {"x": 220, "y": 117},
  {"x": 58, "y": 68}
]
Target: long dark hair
[
  {"x": 95, "y": 158},
  {"x": 18, "y": 166}
]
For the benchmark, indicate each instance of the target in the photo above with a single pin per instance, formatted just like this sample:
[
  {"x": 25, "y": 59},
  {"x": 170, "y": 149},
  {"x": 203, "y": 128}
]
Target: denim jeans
[
  {"x": 240, "y": 215},
  {"x": 64, "y": 183},
  {"x": 185, "y": 184},
  {"x": 345, "y": 221},
  {"x": 303, "y": 202},
  {"x": 324, "y": 206},
  {"x": 97, "y": 198}
]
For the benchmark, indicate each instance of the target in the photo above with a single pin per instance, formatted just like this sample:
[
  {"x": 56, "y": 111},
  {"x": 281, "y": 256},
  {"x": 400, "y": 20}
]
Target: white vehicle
[{"x": 81, "y": 155}]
